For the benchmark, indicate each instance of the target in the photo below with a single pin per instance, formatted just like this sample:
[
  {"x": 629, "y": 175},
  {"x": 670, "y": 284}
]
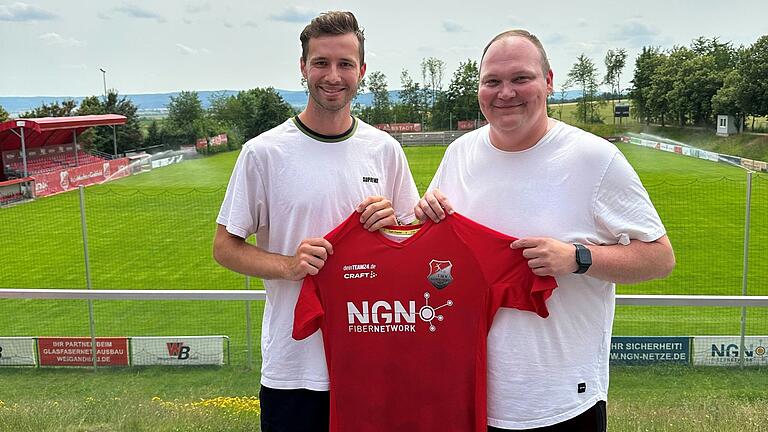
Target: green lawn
[
  {"x": 670, "y": 399},
  {"x": 154, "y": 231}
]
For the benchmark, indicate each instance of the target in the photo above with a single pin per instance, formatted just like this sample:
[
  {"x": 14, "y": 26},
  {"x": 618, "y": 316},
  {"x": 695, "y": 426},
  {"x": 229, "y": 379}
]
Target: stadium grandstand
[{"x": 36, "y": 151}]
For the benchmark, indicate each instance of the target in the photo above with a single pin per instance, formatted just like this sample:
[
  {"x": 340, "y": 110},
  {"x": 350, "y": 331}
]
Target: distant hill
[{"x": 157, "y": 102}]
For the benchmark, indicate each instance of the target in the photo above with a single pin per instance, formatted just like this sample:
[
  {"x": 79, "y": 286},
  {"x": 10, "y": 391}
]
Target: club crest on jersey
[{"x": 440, "y": 273}]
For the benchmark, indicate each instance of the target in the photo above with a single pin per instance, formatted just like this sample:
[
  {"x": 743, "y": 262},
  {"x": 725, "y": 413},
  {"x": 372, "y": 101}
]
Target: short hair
[
  {"x": 332, "y": 23},
  {"x": 545, "y": 67}
]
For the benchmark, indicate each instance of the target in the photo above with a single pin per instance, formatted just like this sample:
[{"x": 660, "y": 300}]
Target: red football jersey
[{"x": 405, "y": 323}]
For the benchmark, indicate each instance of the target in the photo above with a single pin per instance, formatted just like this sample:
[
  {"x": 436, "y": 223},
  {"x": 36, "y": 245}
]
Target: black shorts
[
  {"x": 591, "y": 420},
  {"x": 298, "y": 410}
]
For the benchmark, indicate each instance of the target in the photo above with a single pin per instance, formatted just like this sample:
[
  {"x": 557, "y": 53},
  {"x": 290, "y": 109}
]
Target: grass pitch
[{"x": 154, "y": 231}]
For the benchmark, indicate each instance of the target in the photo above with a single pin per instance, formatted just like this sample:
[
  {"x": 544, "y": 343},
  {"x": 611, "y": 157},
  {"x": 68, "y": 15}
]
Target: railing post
[
  {"x": 745, "y": 271},
  {"x": 248, "y": 336},
  {"x": 84, "y": 229}
]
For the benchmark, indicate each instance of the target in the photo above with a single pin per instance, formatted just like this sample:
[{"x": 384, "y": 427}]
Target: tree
[
  {"x": 432, "y": 70},
  {"x": 103, "y": 138},
  {"x": 250, "y": 112},
  {"x": 614, "y": 64},
  {"x": 459, "y": 102},
  {"x": 64, "y": 109},
  {"x": 186, "y": 119},
  {"x": 379, "y": 110},
  {"x": 154, "y": 135},
  {"x": 3, "y": 114},
  {"x": 584, "y": 74},
  {"x": 563, "y": 90},
  {"x": 649, "y": 59},
  {"x": 662, "y": 83},
  {"x": 753, "y": 68},
  {"x": 410, "y": 106}
]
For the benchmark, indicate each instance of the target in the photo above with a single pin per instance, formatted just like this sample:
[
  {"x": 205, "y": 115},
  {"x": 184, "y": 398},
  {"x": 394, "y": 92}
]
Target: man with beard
[{"x": 292, "y": 185}]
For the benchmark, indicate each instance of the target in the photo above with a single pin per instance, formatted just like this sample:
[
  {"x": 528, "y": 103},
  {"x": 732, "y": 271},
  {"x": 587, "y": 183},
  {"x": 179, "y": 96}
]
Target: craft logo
[
  {"x": 370, "y": 179},
  {"x": 385, "y": 317},
  {"x": 440, "y": 273},
  {"x": 359, "y": 271},
  {"x": 178, "y": 350}
]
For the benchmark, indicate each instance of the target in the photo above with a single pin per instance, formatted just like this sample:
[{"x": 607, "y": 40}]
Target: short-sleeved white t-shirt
[
  {"x": 574, "y": 187},
  {"x": 288, "y": 185}
]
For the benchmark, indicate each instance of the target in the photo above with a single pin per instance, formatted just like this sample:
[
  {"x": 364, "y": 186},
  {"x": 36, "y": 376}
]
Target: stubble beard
[{"x": 334, "y": 106}]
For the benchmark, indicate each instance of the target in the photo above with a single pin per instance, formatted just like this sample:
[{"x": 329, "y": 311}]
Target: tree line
[
  {"x": 240, "y": 116},
  {"x": 692, "y": 85},
  {"x": 424, "y": 102}
]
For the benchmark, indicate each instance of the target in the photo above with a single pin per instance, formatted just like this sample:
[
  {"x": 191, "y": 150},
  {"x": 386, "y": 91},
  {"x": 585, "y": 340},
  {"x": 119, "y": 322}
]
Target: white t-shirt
[
  {"x": 574, "y": 187},
  {"x": 287, "y": 186}
]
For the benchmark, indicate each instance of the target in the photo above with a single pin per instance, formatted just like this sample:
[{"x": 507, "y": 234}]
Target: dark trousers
[
  {"x": 591, "y": 420},
  {"x": 297, "y": 410}
]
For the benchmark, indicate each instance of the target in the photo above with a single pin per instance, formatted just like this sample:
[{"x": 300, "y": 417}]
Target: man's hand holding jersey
[
  {"x": 376, "y": 212},
  {"x": 433, "y": 205},
  {"x": 546, "y": 256}
]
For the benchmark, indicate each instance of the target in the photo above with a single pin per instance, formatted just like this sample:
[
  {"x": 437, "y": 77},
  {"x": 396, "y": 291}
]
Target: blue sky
[{"x": 56, "y": 48}]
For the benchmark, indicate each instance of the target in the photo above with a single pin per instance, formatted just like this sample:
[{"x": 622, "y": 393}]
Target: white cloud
[
  {"x": 186, "y": 50},
  {"x": 554, "y": 39},
  {"x": 251, "y": 23},
  {"x": 24, "y": 12},
  {"x": 56, "y": 39},
  {"x": 198, "y": 7},
  {"x": 138, "y": 12},
  {"x": 452, "y": 26},
  {"x": 637, "y": 33},
  {"x": 295, "y": 14}
]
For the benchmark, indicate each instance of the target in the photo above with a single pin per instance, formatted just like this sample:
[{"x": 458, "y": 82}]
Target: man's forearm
[
  {"x": 237, "y": 255},
  {"x": 633, "y": 263}
]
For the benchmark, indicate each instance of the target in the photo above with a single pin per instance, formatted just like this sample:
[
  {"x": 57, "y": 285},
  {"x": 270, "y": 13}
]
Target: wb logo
[{"x": 178, "y": 350}]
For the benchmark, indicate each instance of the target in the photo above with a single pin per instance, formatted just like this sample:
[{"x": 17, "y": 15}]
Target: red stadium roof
[{"x": 49, "y": 131}]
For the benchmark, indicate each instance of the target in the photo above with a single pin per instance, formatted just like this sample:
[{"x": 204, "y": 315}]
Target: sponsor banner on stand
[
  {"x": 86, "y": 175},
  {"x": 17, "y": 351},
  {"x": 634, "y": 350},
  {"x": 470, "y": 124},
  {"x": 159, "y": 163},
  {"x": 76, "y": 351},
  {"x": 177, "y": 350},
  {"x": 399, "y": 127},
  {"x": 698, "y": 153},
  {"x": 724, "y": 350}
]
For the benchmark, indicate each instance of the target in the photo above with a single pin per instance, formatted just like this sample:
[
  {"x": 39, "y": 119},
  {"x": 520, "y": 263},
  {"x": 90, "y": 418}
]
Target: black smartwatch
[{"x": 583, "y": 258}]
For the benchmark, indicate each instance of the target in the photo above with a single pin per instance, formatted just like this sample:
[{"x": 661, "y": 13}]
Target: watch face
[{"x": 584, "y": 257}]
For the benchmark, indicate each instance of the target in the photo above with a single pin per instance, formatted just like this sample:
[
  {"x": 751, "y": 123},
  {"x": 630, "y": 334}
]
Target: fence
[
  {"x": 179, "y": 327},
  {"x": 150, "y": 234}
]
